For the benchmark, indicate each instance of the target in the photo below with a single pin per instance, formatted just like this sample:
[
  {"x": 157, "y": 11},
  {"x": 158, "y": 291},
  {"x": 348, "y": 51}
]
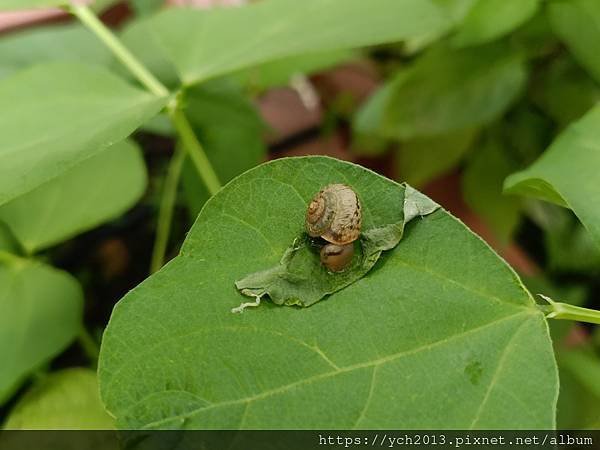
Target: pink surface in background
[{"x": 206, "y": 3}]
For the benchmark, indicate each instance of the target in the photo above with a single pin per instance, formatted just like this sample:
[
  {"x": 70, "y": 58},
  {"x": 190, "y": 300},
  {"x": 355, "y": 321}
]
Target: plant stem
[
  {"x": 10, "y": 258},
  {"x": 89, "y": 345},
  {"x": 564, "y": 311},
  {"x": 89, "y": 19},
  {"x": 194, "y": 150},
  {"x": 165, "y": 213}
]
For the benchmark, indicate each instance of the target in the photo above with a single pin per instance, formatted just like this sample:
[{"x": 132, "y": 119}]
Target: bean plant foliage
[
  {"x": 428, "y": 327},
  {"x": 441, "y": 303}
]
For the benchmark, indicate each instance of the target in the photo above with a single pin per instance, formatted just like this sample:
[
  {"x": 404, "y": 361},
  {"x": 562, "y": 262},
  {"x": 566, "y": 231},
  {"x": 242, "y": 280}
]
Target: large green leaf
[
  {"x": 98, "y": 189},
  {"x": 273, "y": 29},
  {"x": 67, "y": 399},
  {"x": 40, "y": 313},
  {"x": 440, "y": 334},
  {"x": 567, "y": 173},
  {"x": 577, "y": 22},
  {"x": 447, "y": 90},
  {"x": 146, "y": 45},
  {"x": 69, "y": 43},
  {"x": 56, "y": 116},
  {"x": 491, "y": 19}
]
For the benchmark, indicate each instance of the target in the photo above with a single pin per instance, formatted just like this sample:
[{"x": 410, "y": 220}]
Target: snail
[{"x": 334, "y": 215}]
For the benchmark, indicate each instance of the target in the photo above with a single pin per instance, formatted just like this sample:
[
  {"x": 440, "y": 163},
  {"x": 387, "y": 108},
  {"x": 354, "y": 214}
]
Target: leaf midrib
[{"x": 365, "y": 364}]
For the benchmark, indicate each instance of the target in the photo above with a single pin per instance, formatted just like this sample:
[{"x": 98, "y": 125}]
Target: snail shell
[{"x": 334, "y": 215}]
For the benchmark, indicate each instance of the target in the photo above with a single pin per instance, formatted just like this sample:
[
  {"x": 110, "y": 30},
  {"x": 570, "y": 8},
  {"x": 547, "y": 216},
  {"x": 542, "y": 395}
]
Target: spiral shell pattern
[{"x": 334, "y": 214}]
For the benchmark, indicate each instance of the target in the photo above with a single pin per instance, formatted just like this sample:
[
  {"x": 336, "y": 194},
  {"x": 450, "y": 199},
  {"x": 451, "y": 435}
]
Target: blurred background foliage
[{"x": 454, "y": 112}]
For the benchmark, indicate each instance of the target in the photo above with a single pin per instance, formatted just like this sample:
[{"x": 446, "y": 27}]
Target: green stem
[
  {"x": 89, "y": 345},
  {"x": 89, "y": 19},
  {"x": 564, "y": 311},
  {"x": 194, "y": 150},
  {"x": 11, "y": 259},
  {"x": 165, "y": 213}
]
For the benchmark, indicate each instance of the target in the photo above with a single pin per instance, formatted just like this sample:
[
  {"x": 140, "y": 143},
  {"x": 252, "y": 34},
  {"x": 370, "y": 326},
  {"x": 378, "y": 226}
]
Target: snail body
[{"x": 334, "y": 215}]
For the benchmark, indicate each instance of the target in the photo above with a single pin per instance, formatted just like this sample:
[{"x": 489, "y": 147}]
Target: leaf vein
[{"x": 346, "y": 369}]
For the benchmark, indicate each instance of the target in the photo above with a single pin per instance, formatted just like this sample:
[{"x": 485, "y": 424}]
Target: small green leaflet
[
  {"x": 63, "y": 400},
  {"x": 300, "y": 278},
  {"x": 40, "y": 314}
]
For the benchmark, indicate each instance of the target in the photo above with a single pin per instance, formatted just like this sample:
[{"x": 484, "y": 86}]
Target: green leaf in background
[
  {"x": 422, "y": 159},
  {"x": 146, "y": 7},
  {"x": 280, "y": 72},
  {"x": 482, "y": 182},
  {"x": 28, "y": 4},
  {"x": 40, "y": 314},
  {"x": 535, "y": 38},
  {"x": 52, "y": 120},
  {"x": 569, "y": 246},
  {"x": 273, "y": 29},
  {"x": 577, "y": 23},
  {"x": 448, "y": 90},
  {"x": 565, "y": 92},
  {"x": 567, "y": 173},
  {"x": 145, "y": 45},
  {"x": 139, "y": 37},
  {"x": 491, "y": 19},
  {"x": 525, "y": 132},
  {"x": 579, "y": 400},
  {"x": 8, "y": 242},
  {"x": 441, "y": 303},
  {"x": 95, "y": 191},
  {"x": 368, "y": 138},
  {"x": 455, "y": 12},
  {"x": 231, "y": 132},
  {"x": 64, "y": 400},
  {"x": 64, "y": 43}
]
